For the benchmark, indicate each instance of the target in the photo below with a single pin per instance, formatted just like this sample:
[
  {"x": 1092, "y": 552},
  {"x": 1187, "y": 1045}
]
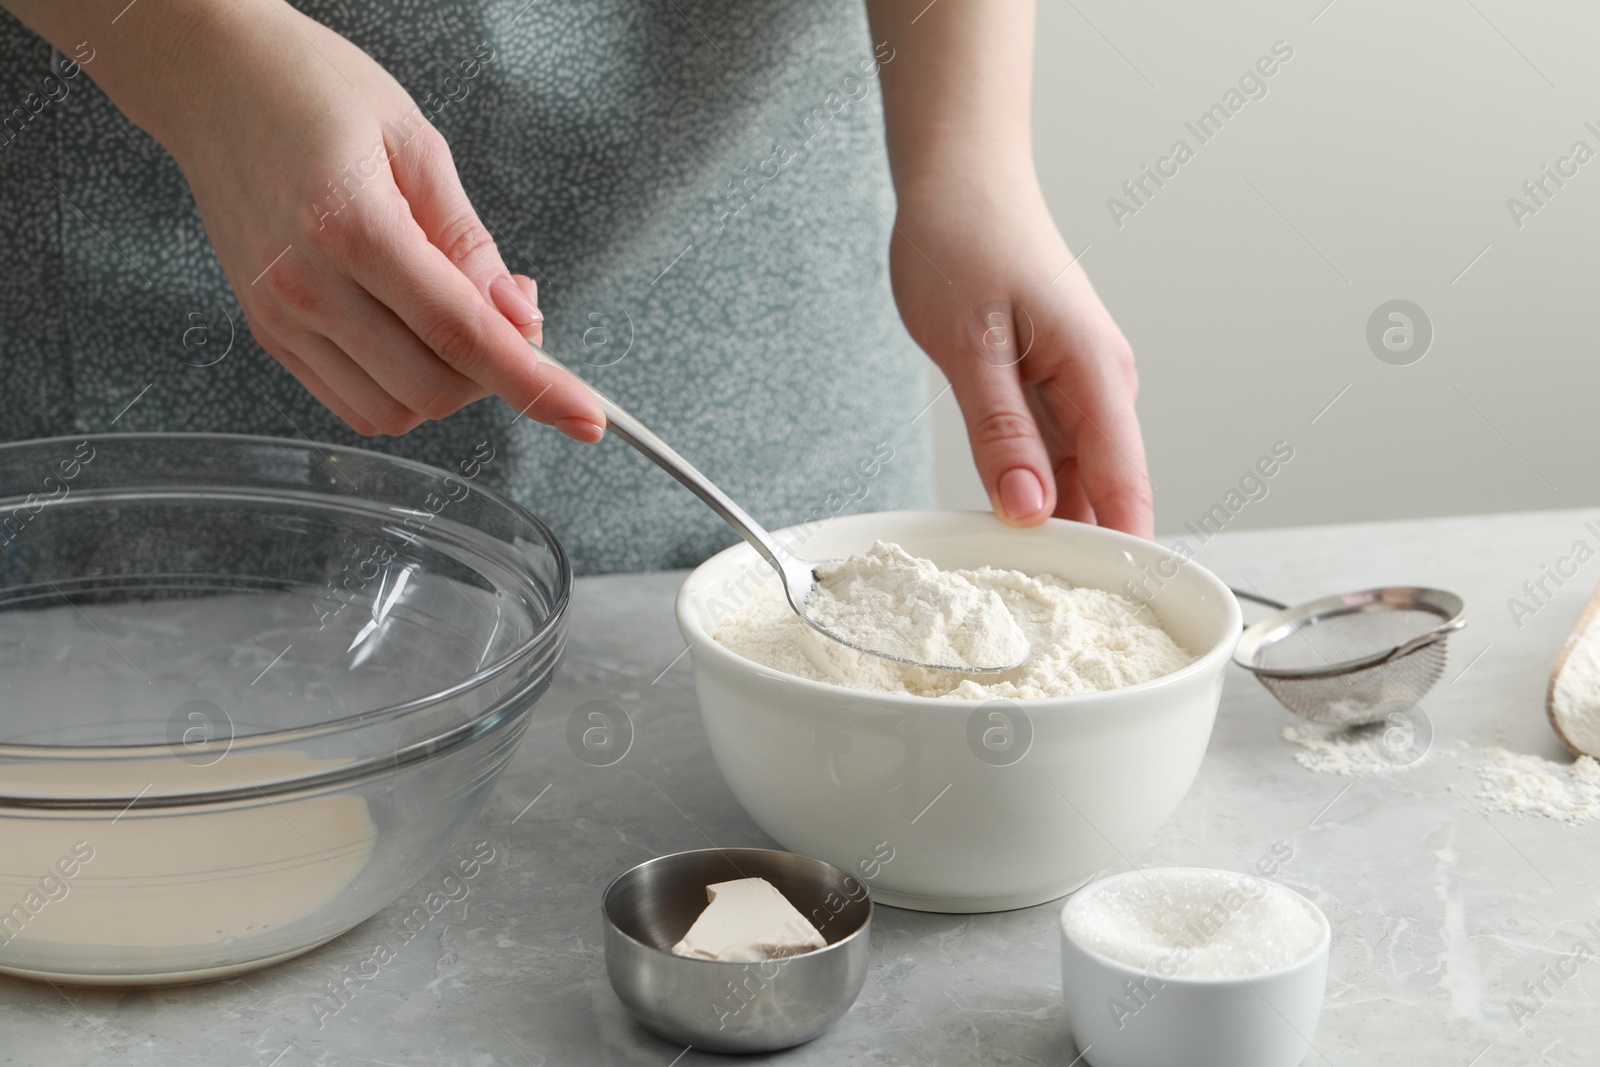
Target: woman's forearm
[
  {"x": 135, "y": 52},
  {"x": 983, "y": 279},
  {"x": 398, "y": 310},
  {"x": 956, "y": 94}
]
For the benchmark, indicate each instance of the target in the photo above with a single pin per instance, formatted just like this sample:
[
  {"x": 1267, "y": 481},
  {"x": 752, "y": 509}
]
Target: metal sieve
[{"x": 1342, "y": 659}]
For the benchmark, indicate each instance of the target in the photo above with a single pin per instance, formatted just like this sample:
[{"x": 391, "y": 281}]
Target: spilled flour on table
[
  {"x": 1352, "y": 752},
  {"x": 1529, "y": 785},
  {"x": 1512, "y": 782}
]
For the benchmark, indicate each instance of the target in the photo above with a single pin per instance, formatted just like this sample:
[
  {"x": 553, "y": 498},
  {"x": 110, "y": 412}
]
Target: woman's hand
[
  {"x": 335, "y": 210},
  {"x": 1044, "y": 377},
  {"x": 390, "y": 302},
  {"x": 984, "y": 281}
]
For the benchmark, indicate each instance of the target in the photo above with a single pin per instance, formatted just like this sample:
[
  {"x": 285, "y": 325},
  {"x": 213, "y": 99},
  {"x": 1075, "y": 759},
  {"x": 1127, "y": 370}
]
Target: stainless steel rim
[
  {"x": 1259, "y": 636},
  {"x": 637, "y": 871}
]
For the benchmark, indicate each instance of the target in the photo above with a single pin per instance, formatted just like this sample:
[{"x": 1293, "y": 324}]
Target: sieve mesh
[
  {"x": 1322, "y": 641},
  {"x": 1360, "y": 696},
  {"x": 1306, "y": 649}
]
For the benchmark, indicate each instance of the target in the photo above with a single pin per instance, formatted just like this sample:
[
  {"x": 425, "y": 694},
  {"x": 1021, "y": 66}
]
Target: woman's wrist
[
  {"x": 956, "y": 98},
  {"x": 146, "y": 61},
  {"x": 972, "y": 185},
  {"x": 165, "y": 90}
]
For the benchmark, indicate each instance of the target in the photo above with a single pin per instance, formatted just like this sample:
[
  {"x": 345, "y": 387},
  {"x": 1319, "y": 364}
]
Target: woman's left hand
[{"x": 1046, "y": 382}]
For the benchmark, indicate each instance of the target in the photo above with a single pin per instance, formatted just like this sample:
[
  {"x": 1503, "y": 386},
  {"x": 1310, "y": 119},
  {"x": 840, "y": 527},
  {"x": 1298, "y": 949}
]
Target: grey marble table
[{"x": 1441, "y": 912}]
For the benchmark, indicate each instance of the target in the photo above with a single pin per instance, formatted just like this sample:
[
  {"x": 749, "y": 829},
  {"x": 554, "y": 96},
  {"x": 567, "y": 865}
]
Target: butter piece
[{"x": 748, "y": 921}]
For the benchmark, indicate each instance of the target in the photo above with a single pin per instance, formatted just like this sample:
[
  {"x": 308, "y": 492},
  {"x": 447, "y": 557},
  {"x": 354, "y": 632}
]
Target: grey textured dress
[{"x": 699, "y": 186}]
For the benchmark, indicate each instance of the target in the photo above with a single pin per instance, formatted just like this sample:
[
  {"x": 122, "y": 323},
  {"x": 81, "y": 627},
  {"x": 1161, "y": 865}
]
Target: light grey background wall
[{"x": 1377, "y": 167}]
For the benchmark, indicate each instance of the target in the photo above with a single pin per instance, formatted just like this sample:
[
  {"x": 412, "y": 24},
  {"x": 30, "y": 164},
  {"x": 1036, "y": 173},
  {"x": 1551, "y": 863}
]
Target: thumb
[
  {"x": 425, "y": 174},
  {"x": 1006, "y": 444}
]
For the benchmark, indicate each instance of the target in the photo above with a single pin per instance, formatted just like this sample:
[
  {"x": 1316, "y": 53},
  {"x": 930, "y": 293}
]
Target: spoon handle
[{"x": 667, "y": 458}]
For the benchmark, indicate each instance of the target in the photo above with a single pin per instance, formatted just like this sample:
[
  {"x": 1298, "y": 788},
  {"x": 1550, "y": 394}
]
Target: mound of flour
[
  {"x": 1353, "y": 751},
  {"x": 890, "y": 601},
  {"x": 1530, "y": 785},
  {"x": 1080, "y": 640}
]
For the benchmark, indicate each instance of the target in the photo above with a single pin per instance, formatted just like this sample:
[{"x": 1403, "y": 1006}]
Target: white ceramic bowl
[
  {"x": 914, "y": 794},
  {"x": 1125, "y": 1016}
]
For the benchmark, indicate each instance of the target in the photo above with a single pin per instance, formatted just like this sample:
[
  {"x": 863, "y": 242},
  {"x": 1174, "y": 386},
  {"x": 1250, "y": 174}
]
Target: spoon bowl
[{"x": 800, "y": 583}]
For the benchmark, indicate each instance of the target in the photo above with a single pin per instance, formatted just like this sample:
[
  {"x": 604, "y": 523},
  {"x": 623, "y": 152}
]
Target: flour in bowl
[
  {"x": 892, "y": 602},
  {"x": 1081, "y": 640}
]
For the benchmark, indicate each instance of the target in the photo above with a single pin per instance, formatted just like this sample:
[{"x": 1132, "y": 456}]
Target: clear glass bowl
[{"x": 249, "y": 690}]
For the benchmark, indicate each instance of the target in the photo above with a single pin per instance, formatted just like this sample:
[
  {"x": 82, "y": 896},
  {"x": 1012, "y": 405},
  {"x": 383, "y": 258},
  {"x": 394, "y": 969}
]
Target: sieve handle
[
  {"x": 1427, "y": 639},
  {"x": 1265, "y": 601}
]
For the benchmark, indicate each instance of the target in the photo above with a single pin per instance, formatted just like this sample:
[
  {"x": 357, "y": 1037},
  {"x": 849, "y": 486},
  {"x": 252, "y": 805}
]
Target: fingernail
[
  {"x": 1021, "y": 494},
  {"x": 512, "y": 302},
  {"x": 580, "y": 429}
]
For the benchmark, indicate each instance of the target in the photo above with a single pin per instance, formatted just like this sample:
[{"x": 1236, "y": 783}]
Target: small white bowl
[
  {"x": 1128, "y": 1016},
  {"x": 905, "y": 792}
]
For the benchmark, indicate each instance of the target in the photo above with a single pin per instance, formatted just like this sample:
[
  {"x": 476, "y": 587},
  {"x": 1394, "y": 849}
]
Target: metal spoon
[{"x": 798, "y": 575}]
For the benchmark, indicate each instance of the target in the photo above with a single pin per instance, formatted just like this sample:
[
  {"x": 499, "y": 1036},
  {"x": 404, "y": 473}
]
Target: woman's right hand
[{"x": 337, "y": 215}]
